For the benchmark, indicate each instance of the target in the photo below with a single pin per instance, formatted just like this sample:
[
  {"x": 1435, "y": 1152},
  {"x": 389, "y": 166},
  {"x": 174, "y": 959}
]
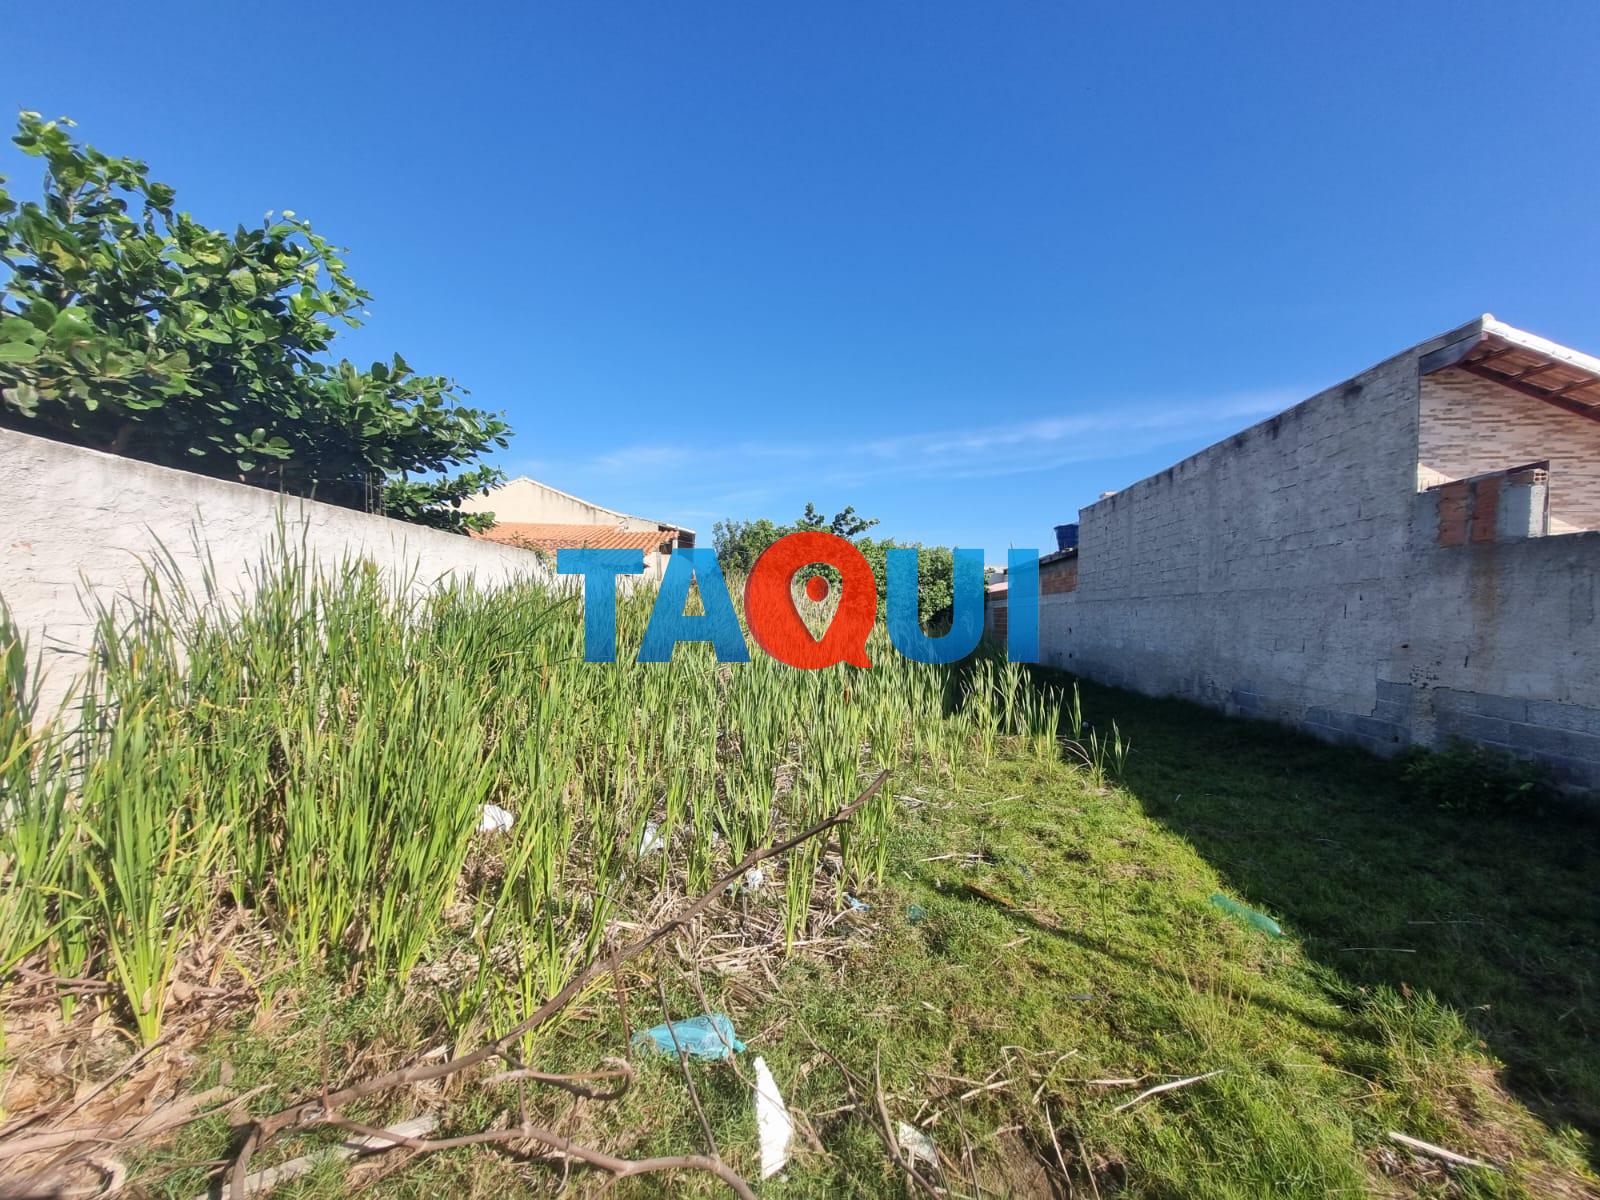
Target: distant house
[{"x": 536, "y": 516}]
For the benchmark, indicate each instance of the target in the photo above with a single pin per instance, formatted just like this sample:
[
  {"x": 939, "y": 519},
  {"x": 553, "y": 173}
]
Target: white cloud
[
  {"x": 642, "y": 458},
  {"x": 736, "y": 474}
]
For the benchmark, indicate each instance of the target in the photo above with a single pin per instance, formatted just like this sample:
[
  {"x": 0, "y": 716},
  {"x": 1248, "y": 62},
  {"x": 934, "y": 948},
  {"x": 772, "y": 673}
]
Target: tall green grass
[
  {"x": 316, "y": 759},
  {"x": 36, "y": 842}
]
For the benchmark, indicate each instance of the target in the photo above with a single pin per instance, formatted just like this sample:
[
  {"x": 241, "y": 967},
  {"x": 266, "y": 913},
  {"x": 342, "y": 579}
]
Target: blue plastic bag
[{"x": 706, "y": 1036}]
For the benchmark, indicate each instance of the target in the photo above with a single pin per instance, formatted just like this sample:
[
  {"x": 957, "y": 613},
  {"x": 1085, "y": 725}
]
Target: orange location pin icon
[{"x": 775, "y": 622}]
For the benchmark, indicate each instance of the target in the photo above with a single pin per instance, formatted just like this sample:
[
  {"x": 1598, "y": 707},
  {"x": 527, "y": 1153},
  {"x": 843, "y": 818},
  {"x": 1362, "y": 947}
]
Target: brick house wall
[
  {"x": 1058, "y": 576},
  {"x": 1470, "y": 426}
]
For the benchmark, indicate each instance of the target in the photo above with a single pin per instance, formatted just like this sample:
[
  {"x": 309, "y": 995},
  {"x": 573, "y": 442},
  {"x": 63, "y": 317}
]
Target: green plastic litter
[{"x": 1259, "y": 920}]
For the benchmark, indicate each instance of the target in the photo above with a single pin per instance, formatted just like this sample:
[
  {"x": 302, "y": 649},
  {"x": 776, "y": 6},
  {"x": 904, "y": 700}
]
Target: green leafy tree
[
  {"x": 845, "y": 524},
  {"x": 128, "y": 326},
  {"x": 935, "y": 576},
  {"x": 739, "y": 543}
]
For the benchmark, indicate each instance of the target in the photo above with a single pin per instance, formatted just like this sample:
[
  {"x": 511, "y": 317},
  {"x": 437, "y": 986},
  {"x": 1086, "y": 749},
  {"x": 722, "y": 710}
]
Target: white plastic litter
[
  {"x": 650, "y": 840},
  {"x": 495, "y": 820},
  {"x": 916, "y": 1145},
  {"x": 772, "y": 1122},
  {"x": 753, "y": 878}
]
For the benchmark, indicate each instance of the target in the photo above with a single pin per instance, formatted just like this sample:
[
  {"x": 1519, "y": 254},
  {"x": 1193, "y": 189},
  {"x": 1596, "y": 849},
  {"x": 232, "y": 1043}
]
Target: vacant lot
[{"x": 1005, "y": 951}]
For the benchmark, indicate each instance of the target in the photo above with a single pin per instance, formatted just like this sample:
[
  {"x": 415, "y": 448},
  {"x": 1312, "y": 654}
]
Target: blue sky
[{"x": 962, "y": 265}]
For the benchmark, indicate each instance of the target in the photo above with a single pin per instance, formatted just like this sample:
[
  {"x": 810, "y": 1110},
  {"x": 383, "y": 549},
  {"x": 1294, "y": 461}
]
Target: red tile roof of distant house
[{"x": 540, "y": 536}]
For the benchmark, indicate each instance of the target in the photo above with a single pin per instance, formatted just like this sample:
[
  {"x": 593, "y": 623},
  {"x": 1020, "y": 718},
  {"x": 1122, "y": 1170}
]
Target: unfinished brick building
[{"x": 1404, "y": 558}]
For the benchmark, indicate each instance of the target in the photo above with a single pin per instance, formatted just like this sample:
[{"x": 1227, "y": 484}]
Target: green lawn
[{"x": 1036, "y": 934}]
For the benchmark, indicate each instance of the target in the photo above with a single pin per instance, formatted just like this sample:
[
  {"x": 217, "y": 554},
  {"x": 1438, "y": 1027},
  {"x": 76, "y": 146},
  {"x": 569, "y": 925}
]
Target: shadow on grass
[
  {"x": 1496, "y": 916},
  {"x": 1138, "y": 962}
]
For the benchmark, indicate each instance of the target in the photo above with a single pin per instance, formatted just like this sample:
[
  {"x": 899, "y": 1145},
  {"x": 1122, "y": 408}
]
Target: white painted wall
[{"x": 75, "y": 524}]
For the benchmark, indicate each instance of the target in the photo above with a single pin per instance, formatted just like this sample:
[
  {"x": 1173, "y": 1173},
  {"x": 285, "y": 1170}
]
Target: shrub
[{"x": 1466, "y": 777}]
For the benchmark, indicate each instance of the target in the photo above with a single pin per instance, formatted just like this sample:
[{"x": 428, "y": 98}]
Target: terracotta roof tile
[{"x": 540, "y": 536}]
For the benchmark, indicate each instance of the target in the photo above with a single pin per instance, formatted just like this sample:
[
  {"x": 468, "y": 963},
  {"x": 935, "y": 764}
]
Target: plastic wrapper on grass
[
  {"x": 1256, "y": 920},
  {"x": 708, "y": 1036},
  {"x": 495, "y": 820},
  {"x": 773, "y": 1124}
]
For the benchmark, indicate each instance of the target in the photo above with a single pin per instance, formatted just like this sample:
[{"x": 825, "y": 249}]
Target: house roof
[
  {"x": 621, "y": 516},
  {"x": 1524, "y": 362},
  {"x": 542, "y": 536}
]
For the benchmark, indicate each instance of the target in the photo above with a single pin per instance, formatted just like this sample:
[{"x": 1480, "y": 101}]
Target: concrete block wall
[
  {"x": 1295, "y": 573},
  {"x": 75, "y": 525},
  {"x": 1501, "y": 648},
  {"x": 1256, "y": 575}
]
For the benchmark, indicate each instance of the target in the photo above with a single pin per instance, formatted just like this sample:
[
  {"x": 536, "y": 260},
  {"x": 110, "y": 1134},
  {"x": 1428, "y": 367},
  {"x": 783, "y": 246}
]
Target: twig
[
  {"x": 1164, "y": 1087},
  {"x": 986, "y": 894},
  {"x": 1439, "y": 1152},
  {"x": 66, "y": 983},
  {"x": 896, "y": 1151},
  {"x": 885, "y": 1129},
  {"x": 620, "y": 986},
  {"x": 622, "y": 1168},
  {"x": 309, "y": 1114},
  {"x": 382, "y": 1139},
  {"x": 987, "y": 1087},
  {"x": 164, "y": 1119},
  {"x": 1061, "y": 1159},
  {"x": 573, "y": 1083},
  {"x": 1379, "y": 949},
  {"x": 688, "y": 1077},
  {"x": 967, "y": 1155},
  {"x": 1088, "y": 1167},
  {"x": 124, "y": 1069},
  {"x": 705, "y": 1006}
]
